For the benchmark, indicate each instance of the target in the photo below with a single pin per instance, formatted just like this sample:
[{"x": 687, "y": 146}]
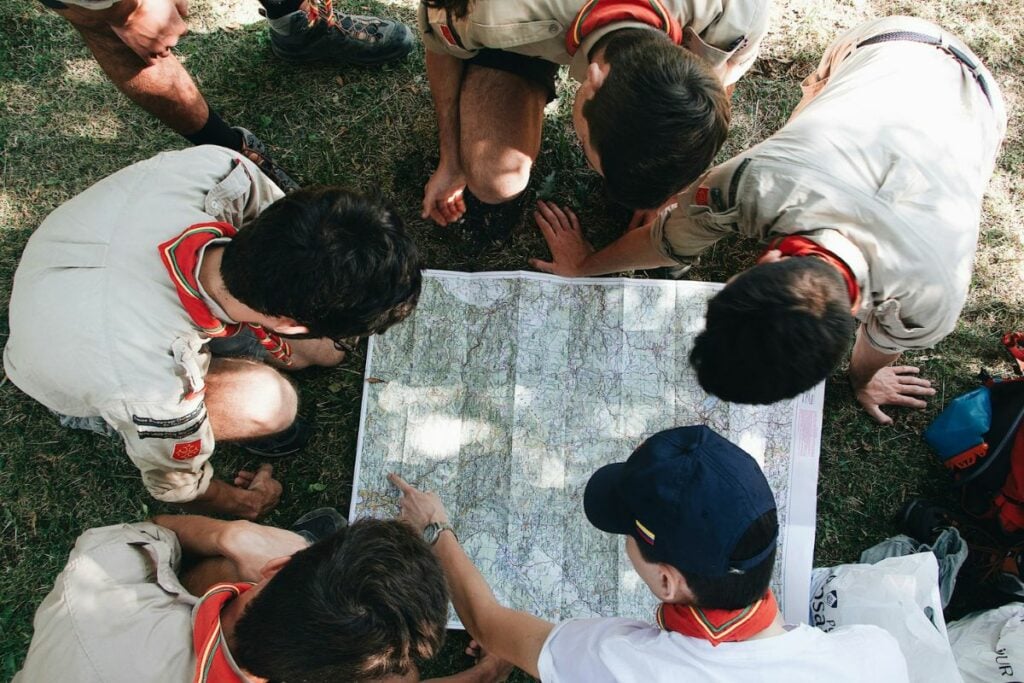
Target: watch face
[{"x": 431, "y": 532}]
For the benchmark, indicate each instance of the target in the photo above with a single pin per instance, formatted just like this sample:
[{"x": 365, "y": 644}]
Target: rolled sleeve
[
  {"x": 171, "y": 445},
  {"x": 754, "y": 15},
  {"x": 888, "y": 330}
]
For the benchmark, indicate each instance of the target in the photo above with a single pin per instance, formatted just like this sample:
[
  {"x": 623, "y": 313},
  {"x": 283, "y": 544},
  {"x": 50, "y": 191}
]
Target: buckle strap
[{"x": 954, "y": 52}]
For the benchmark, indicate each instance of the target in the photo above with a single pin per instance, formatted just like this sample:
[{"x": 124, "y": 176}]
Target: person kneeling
[
  {"x": 365, "y": 603},
  {"x": 701, "y": 531}
]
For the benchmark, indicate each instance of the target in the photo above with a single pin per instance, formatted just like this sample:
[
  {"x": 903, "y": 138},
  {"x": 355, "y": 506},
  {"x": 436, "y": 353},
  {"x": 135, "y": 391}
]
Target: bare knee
[
  {"x": 497, "y": 176},
  {"x": 246, "y": 399}
]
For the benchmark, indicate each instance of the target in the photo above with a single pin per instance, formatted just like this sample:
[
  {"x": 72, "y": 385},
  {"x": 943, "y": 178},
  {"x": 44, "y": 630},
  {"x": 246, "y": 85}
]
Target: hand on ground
[
  {"x": 442, "y": 196},
  {"x": 893, "y": 386},
  {"x": 251, "y": 546},
  {"x": 419, "y": 508},
  {"x": 266, "y": 489},
  {"x": 569, "y": 249},
  {"x": 153, "y": 27}
]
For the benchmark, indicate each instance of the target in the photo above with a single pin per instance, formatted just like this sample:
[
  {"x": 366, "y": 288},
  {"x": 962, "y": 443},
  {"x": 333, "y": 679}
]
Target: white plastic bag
[
  {"x": 989, "y": 646},
  {"x": 898, "y": 594}
]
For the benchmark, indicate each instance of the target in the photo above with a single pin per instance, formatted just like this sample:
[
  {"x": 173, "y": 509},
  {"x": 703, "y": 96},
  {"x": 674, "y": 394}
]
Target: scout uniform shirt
[
  {"x": 883, "y": 163},
  {"x": 726, "y": 33},
  {"x": 118, "y": 613},
  {"x": 97, "y": 328}
]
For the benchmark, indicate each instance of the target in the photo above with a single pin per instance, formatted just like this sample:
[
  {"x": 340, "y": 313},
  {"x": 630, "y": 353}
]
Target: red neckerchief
[
  {"x": 798, "y": 245},
  {"x": 212, "y": 665},
  {"x": 597, "y": 13},
  {"x": 180, "y": 256},
  {"x": 719, "y": 625}
]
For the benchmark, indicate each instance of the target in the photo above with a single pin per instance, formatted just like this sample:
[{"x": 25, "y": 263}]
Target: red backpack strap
[
  {"x": 1009, "y": 502},
  {"x": 1013, "y": 342}
]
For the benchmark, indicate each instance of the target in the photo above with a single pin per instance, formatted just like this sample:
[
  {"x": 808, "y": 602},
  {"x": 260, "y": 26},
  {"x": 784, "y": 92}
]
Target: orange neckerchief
[
  {"x": 180, "y": 256},
  {"x": 719, "y": 625},
  {"x": 212, "y": 666},
  {"x": 798, "y": 245},
  {"x": 597, "y": 13}
]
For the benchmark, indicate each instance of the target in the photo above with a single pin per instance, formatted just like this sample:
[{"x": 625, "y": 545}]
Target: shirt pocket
[
  {"x": 503, "y": 36},
  {"x": 228, "y": 201}
]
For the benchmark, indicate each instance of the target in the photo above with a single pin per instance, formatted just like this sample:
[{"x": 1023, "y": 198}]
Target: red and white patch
[
  {"x": 187, "y": 449},
  {"x": 702, "y": 197}
]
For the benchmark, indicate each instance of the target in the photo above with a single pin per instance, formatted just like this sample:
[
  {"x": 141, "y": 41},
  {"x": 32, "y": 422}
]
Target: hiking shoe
[
  {"x": 921, "y": 519},
  {"x": 319, "y": 524},
  {"x": 254, "y": 150},
  {"x": 322, "y": 35},
  {"x": 291, "y": 440}
]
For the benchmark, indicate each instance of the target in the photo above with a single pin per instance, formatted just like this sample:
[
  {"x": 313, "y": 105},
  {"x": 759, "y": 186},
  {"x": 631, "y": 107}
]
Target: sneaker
[
  {"x": 322, "y": 35},
  {"x": 291, "y": 440},
  {"x": 319, "y": 524},
  {"x": 254, "y": 150}
]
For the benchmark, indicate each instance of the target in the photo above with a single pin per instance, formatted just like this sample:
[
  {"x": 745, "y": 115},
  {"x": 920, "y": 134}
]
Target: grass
[{"x": 63, "y": 127}]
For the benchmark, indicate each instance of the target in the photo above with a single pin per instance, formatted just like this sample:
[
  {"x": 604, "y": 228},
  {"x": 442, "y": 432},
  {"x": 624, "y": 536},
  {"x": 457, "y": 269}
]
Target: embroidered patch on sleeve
[
  {"x": 187, "y": 449},
  {"x": 701, "y": 196}
]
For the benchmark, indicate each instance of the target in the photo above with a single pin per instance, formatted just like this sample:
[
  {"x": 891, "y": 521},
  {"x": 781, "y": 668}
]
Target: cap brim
[{"x": 602, "y": 503}]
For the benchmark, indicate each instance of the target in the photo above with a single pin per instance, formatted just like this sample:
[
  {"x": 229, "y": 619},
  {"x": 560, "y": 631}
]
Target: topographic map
[{"x": 505, "y": 391}]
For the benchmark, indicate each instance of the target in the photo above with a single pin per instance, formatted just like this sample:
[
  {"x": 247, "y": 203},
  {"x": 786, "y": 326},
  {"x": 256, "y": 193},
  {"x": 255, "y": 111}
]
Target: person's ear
[
  {"x": 770, "y": 256},
  {"x": 274, "y": 566},
  {"x": 673, "y": 586},
  {"x": 597, "y": 72}
]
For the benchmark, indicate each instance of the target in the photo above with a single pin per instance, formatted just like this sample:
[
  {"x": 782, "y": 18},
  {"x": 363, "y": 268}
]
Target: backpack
[{"x": 979, "y": 437}]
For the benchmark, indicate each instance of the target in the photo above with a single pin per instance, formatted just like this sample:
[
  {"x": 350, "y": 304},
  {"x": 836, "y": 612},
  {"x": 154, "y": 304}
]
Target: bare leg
[
  {"x": 162, "y": 88},
  {"x": 248, "y": 400},
  {"x": 501, "y": 116}
]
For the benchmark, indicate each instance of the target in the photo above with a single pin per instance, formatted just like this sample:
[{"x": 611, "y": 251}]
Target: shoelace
[
  {"x": 317, "y": 10},
  {"x": 320, "y": 9}
]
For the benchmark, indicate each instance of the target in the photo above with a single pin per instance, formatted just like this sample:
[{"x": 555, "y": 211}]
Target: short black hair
[
  {"x": 658, "y": 120},
  {"x": 369, "y": 602},
  {"x": 337, "y": 262},
  {"x": 775, "y": 331},
  {"x": 737, "y": 589}
]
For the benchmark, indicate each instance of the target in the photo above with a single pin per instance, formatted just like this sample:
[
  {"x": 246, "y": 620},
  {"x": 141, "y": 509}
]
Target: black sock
[
  {"x": 278, "y": 8},
  {"x": 216, "y": 132}
]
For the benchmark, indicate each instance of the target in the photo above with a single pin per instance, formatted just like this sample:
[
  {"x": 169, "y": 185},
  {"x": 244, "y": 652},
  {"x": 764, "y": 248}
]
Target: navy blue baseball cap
[{"x": 687, "y": 494}]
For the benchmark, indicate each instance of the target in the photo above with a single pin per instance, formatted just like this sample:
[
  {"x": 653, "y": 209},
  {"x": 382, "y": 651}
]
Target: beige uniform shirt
[
  {"x": 727, "y": 33},
  {"x": 97, "y": 328},
  {"x": 117, "y": 613},
  {"x": 884, "y": 162}
]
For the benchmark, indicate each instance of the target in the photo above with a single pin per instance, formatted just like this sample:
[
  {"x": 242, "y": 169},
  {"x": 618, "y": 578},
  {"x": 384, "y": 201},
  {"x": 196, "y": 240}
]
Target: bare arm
[
  {"x": 442, "y": 197},
  {"x": 516, "y": 637},
  {"x": 228, "y": 551},
  {"x": 573, "y": 256},
  {"x": 876, "y": 383}
]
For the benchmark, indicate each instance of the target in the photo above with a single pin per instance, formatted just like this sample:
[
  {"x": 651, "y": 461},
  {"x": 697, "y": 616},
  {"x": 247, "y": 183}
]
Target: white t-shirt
[{"x": 605, "y": 650}]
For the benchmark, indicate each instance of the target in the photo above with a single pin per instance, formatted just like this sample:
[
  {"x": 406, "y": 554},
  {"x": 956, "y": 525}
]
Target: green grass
[{"x": 63, "y": 127}]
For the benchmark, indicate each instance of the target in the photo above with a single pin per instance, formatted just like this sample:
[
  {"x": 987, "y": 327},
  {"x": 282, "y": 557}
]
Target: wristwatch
[{"x": 433, "y": 531}]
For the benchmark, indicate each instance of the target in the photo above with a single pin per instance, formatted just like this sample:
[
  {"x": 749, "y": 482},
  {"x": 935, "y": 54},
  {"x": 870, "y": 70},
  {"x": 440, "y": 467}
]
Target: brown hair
[
  {"x": 658, "y": 120},
  {"x": 369, "y": 602}
]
